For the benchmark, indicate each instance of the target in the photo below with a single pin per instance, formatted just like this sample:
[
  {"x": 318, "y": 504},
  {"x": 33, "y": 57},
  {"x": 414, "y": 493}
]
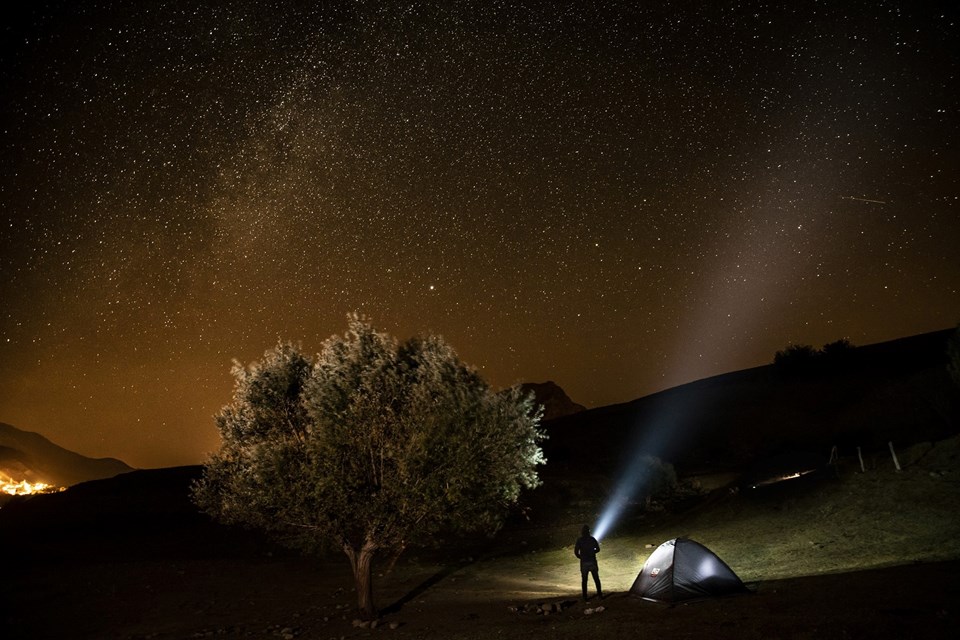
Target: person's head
[{"x": 585, "y": 530}]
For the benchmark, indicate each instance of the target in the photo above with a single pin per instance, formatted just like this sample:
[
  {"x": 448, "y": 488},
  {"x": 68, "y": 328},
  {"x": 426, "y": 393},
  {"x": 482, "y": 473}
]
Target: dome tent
[{"x": 682, "y": 569}]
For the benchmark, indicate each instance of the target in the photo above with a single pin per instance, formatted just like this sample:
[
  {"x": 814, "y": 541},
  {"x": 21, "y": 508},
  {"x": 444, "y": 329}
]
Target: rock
[
  {"x": 394, "y": 625},
  {"x": 556, "y": 403}
]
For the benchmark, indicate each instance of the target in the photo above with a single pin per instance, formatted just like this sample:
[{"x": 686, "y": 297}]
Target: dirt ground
[
  {"x": 862, "y": 555},
  {"x": 264, "y": 599}
]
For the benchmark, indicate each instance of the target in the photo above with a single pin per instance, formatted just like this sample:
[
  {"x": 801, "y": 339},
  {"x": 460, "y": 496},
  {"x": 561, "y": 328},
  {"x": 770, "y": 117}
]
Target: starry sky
[{"x": 616, "y": 197}]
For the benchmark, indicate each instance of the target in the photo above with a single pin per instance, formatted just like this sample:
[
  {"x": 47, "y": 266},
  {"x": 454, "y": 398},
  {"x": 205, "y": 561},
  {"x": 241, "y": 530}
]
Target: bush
[
  {"x": 804, "y": 358},
  {"x": 795, "y": 357},
  {"x": 662, "y": 477}
]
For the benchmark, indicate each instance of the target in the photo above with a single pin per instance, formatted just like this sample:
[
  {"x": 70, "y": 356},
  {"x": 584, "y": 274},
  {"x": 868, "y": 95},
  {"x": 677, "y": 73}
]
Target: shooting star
[{"x": 862, "y": 199}]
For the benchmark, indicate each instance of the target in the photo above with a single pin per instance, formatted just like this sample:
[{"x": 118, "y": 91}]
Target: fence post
[
  {"x": 894, "y": 454},
  {"x": 834, "y": 461}
]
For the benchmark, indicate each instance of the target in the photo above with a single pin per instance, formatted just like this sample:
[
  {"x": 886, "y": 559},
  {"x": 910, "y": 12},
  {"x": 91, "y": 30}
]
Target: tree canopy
[
  {"x": 803, "y": 358},
  {"x": 371, "y": 445}
]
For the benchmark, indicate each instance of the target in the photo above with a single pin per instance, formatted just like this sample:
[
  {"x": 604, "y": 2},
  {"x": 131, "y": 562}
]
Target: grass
[{"x": 803, "y": 527}]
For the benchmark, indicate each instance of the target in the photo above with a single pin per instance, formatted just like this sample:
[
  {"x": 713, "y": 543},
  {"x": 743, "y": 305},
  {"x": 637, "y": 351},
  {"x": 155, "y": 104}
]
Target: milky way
[{"x": 619, "y": 199}]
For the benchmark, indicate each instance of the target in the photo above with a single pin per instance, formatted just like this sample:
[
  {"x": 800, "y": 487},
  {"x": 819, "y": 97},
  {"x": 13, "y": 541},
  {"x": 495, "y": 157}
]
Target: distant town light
[{"x": 23, "y": 488}]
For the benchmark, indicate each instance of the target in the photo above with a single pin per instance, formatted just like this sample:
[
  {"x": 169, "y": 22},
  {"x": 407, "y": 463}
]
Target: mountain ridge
[
  {"x": 555, "y": 401},
  {"x": 27, "y": 455},
  {"x": 897, "y": 390}
]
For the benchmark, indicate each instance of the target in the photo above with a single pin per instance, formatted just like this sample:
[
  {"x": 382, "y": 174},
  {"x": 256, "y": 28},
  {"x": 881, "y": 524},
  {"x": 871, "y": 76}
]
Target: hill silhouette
[
  {"x": 29, "y": 456},
  {"x": 864, "y": 397},
  {"x": 141, "y": 514},
  {"x": 556, "y": 403}
]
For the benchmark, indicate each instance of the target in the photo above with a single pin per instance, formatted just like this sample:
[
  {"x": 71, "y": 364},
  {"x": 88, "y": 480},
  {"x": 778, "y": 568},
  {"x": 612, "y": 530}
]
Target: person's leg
[
  {"x": 583, "y": 583},
  {"x": 596, "y": 581}
]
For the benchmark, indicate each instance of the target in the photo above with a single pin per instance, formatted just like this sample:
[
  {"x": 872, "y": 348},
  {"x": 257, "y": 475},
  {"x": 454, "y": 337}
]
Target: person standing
[{"x": 586, "y": 550}]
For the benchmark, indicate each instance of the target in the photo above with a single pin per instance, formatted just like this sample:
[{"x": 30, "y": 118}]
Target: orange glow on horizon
[{"x": 23, "y": 488}]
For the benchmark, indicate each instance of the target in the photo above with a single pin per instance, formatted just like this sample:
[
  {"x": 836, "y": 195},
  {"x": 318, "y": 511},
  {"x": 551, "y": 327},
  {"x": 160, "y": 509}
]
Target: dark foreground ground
[
  {"x": 268, "y": 598},
  {"x": 854, "y": 554}
]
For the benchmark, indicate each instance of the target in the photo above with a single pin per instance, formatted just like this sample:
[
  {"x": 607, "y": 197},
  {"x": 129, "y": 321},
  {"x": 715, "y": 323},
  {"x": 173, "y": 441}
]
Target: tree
[
  {"x": 796, "y": 357},
  {"x": 838, "y": 349},
  {"x": 371, "y": 446},
  {"x": 800, "y": 358}
]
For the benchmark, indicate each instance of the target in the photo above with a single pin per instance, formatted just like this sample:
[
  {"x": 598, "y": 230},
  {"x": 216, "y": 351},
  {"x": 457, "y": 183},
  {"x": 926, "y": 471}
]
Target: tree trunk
[{"x": 361, "y": 561}]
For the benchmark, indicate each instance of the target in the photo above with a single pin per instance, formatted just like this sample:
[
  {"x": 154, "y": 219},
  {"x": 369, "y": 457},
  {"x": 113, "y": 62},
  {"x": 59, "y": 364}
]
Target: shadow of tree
[{"x": 426, "y": 584}]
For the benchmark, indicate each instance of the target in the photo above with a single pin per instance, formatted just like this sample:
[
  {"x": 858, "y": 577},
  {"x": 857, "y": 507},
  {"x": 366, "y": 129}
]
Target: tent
[{"x": 681, "y": 569}]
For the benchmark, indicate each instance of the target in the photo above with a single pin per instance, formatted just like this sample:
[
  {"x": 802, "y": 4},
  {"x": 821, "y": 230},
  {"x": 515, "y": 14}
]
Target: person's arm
[{"x": 576, "y": 549}]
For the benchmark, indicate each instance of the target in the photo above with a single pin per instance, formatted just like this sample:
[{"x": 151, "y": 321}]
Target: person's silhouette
[{"x": 587, "y": 549}]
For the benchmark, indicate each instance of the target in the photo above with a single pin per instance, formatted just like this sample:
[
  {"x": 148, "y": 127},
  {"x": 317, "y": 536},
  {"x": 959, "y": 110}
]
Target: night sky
[{"x": 619, "y": 199}]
